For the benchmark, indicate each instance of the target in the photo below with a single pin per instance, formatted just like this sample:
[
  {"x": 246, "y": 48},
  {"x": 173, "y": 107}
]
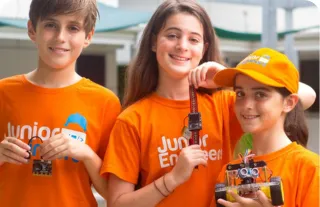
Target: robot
[{"x": 246, "y": 178}]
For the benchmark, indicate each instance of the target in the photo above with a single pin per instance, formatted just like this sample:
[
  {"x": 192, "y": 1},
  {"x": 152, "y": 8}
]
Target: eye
[
  {"x": 172, "y": 36},
  {"x": 194, "y": 40},
  {"x": 50, "y": 25},
  {"x": 74, "y": 28},
  {"x": 260, "y": 95},
  {"x": 239, "y": 94}
]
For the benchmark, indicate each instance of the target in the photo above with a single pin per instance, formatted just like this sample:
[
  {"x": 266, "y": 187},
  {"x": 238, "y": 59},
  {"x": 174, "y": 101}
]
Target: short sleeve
[
  {"x": 308, "y": 187},
  {"x": 111, "y": 110},
  {"x": 123, "y": 153}
]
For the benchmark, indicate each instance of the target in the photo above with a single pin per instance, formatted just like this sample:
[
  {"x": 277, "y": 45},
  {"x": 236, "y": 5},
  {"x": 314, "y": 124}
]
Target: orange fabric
[
  {"x": 299, "y": 171},
  {"x": 147, "y": 138},
  {"x": 28, "y": 110},
  {"x": 266, "y": 66}
]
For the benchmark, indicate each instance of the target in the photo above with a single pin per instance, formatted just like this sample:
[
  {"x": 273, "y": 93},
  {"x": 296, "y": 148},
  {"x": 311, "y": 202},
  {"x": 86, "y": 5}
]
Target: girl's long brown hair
[
  {"x": 295, "y": 124},
  {"x": 142, "y": 72}
]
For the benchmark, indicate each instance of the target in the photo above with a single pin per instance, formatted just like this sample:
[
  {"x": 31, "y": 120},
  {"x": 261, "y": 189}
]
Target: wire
[{"x": 34, "y": 137}]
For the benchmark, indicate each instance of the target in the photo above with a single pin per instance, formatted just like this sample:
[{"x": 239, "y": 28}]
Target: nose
[
  {"x": 182, "y": 44},
  {"x": 248, "y": 103},
  {"x": 61, "y": 35}
]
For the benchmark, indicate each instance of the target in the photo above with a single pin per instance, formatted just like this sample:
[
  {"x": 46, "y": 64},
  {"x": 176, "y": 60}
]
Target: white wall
[
  {"x": 113, "y": 3},
  {"x": 16, "y": 61},
  {"x": 237, "y": 17},
  {"x": 313, "y": 124},
  {"x": 142, "y": 5},
  {"x": 20, "y": 8}
]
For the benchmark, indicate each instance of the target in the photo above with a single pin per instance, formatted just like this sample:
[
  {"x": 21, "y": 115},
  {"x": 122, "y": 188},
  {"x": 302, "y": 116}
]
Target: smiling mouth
[
  {"x": 179, "y": 58},
  {"x": 249, "y": 117},
  {"x": 58, "y": 49}
]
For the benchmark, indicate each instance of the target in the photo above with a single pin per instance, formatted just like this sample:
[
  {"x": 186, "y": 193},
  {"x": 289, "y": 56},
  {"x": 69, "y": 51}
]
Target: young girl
[
  {"x": 267, "y": 106},
  {"x": 307, "y": 98},
  {"x": 147, "y": 146}
]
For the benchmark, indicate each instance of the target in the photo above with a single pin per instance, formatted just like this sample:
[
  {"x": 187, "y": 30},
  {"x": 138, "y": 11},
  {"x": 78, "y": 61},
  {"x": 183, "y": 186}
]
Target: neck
[
  {"x": 270, "y": 140},
  {"x": 175, "y": 89},
  {"x": 47, "y": 77}
]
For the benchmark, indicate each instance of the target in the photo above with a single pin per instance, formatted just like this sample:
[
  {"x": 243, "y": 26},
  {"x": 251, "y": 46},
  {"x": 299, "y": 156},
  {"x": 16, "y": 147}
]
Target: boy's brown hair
[{"x": 42, "y": 9}]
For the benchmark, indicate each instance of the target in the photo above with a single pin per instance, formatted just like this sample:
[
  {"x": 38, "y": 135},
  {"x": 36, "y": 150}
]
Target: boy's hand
[
  {"x": 189, "y": 157},
  {"x": 262, "y": 201},
  {"x": 202, "y": 76},
  {"x": 61, "y": 145},
  {"x": 13, "y": 150}
]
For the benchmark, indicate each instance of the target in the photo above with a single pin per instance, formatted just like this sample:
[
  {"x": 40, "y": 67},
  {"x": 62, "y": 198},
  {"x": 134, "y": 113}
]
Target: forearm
[
  {"x": 147, "y": 196},
  {"x": 307, "y": 95},
  {"x": 93, "y": 165}
]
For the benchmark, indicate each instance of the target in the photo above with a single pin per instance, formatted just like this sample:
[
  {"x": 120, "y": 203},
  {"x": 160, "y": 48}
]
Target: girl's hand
[
  {"x": 202, "y": 76},
  {"x": 262, "y": 201},
  {"x": 61, "y": 145},
  {"x": 188, "y": 159}
]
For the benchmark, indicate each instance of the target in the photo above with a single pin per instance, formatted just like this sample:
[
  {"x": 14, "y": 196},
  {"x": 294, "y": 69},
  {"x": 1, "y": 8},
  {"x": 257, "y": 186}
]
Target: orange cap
[{"x": 266, "y": 66}]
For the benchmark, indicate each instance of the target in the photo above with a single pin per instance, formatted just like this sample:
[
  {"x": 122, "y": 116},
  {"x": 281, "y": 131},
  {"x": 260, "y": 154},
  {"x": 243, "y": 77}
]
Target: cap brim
[{"x": 225, "y": 78}]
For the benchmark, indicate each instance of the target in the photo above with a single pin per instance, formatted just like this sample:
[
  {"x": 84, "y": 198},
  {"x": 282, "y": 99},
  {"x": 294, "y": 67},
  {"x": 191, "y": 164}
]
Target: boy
[{"x": 55, "y": 125}]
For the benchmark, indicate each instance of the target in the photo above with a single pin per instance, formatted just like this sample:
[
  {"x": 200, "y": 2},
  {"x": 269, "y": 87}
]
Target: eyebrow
[
  {"x": 176, "y": 28},
  {"x": 254, "y": 88},
  {"x": 70, "y": 22}
]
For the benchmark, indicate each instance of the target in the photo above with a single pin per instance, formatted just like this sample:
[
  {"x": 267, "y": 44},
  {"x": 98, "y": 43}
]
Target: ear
[
  {"x": 31, "y": 32},
  {"x": 88, "y": 39},
  {"x": 290, "y": 102},
  {"x": 154, "y": 43}
]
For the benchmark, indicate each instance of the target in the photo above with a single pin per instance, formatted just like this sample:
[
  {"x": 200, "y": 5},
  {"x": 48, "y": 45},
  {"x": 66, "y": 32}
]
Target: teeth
[
  {"x": 249, "y": 116},
  {"x": 57, "y": 49},
  {"x": 179, "y": 58}
]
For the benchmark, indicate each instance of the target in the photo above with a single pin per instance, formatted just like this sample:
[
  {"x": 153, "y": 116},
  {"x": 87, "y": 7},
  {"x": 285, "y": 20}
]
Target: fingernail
[{"x": 28, "y": 155}]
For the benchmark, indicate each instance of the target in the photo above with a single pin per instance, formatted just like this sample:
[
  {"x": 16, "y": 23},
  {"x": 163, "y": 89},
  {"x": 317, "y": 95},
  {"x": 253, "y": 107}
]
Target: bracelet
[
  {"x": 164, "y": 183},
  {"x": 155, "y": 185}
]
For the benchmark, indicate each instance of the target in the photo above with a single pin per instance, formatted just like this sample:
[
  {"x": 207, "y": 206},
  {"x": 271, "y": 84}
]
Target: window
[{"x": 309, "y": 74}]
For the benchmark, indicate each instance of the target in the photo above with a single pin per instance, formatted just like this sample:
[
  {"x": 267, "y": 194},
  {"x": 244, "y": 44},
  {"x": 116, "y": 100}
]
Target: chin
[
  {"x": 58, "y": 66},
  {"x": 249, "y": 129},
  {"x": 178, "y": 74}
]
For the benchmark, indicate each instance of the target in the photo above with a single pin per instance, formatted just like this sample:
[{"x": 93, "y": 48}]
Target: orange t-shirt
[
  {"x": 299, "y": 172},
  {"x": 147, "y": 139},
  {"x": 85, "y": 111}
]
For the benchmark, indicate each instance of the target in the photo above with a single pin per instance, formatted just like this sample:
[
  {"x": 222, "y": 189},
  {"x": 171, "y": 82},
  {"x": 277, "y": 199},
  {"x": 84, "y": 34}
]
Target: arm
[
  {"x": 62, "y": 145},
  {"x": 111, "y": 111},
  {"x": 202, "y": 76},
  {"x": 93, "y": 165},
  {"x": 121, "y": 193},
  {"x": 307, "y": 95}
]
